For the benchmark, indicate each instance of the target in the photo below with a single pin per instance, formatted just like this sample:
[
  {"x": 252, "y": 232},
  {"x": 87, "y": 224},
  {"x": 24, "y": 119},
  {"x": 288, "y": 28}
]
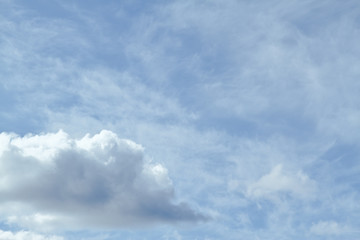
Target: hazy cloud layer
[
  {"x": 22, "y": 235},
  {"x": 54, "y": 181},
  {"x": 331, "y": 228}
]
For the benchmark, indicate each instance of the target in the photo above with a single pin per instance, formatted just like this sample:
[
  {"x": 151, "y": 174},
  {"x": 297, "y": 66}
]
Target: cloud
[
  {"x": 329, "y": 228},
  {"x": 7, "y": 235},
  {"x": 284, "y": 69},
  {"x": 53, "y": 181},
  {"x": 278, "y": 181}
]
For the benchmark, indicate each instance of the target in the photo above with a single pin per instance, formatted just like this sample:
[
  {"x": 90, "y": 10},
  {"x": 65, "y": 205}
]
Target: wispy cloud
[
  {"x": 8, "y": 235},
  {"x": 252, "y": 106},
  {"x": 330, "y": 228},
  {"x": 277, "y": 182}
]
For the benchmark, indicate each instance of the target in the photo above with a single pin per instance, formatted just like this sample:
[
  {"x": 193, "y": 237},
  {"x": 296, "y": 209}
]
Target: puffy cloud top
[{"x": 51, "y": 180}]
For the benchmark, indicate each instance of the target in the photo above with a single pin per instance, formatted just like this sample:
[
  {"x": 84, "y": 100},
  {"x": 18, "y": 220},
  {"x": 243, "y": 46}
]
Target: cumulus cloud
[
  {"x": 53, "y": 181},
  {"x": 7, "y": 235},
  {"x": 278, "y": 181}
]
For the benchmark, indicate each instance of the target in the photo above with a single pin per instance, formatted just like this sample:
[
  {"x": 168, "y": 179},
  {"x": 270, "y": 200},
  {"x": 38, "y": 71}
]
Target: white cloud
[
  {"x": 25, "y": 235},
  {"x": 278, "y": 181},
  {"x": 266, "y": 70},
  {"x": 329, "y": 228},
  {"x": 53, "y": 181},
  {"x": 282, "y": 63}
]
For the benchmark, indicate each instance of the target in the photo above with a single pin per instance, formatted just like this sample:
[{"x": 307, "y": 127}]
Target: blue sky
[{"x": 178, "y": 120}]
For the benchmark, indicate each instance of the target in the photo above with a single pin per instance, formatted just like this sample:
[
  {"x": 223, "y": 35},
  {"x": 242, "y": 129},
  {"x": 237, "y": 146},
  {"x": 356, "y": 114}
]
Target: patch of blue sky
[{"x": 219, "y": 92}]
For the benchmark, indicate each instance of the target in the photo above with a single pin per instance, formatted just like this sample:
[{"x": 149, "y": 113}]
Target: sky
[{"x": 179, "y": 120}]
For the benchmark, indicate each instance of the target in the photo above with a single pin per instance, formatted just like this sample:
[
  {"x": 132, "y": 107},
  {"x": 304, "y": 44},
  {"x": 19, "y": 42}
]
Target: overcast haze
[{"x": 179, "y": 120}]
